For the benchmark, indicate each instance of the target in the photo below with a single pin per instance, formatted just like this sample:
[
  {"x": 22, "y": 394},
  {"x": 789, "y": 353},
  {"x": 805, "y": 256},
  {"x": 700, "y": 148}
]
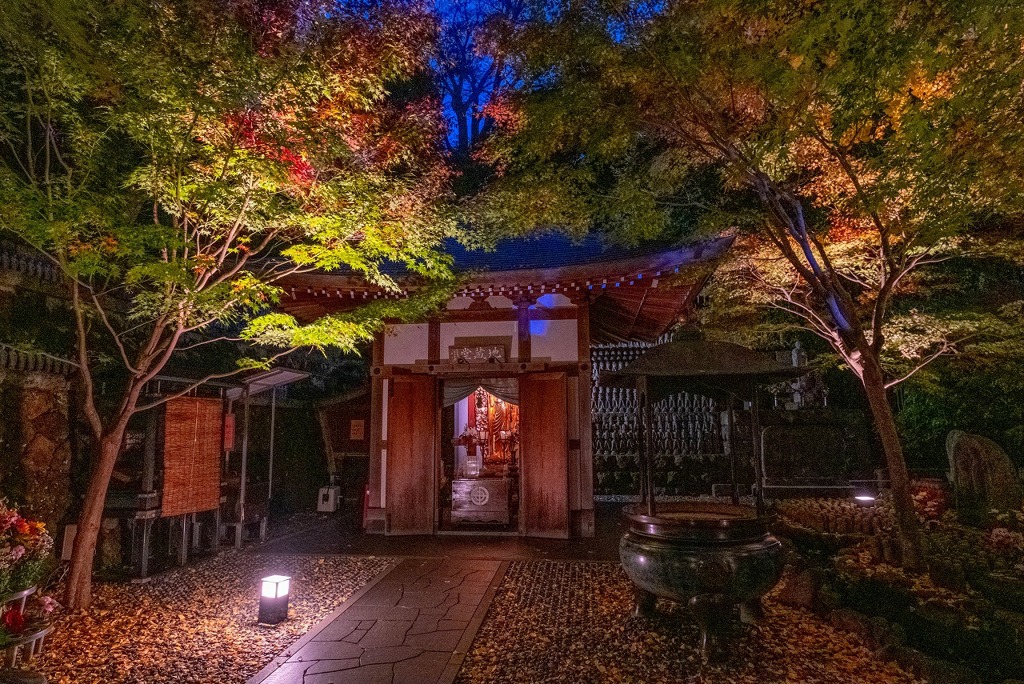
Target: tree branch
[{"x": 113, "y": 333}]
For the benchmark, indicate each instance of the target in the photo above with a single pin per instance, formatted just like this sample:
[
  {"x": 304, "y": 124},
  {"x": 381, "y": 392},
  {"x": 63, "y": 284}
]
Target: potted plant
[
  {"x": 24, "y": 557},
  {"x": 25, "y": 549},
  {"x": 24, "y": 622}
]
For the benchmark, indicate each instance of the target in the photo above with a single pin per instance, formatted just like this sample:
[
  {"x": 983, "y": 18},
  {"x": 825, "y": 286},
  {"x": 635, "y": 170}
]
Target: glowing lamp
[
  {"x": 274, "y": 599},
  {"x": 864, "y": 500}
]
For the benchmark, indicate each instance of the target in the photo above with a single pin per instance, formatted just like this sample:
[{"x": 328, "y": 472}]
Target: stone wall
[{"x": 35, "y": 440}]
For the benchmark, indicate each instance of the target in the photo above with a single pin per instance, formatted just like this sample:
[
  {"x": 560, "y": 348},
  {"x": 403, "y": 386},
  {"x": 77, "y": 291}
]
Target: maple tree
[
  {"x": 469, "y": 73},
  {"x": 175, "y": 159},
  {"x": 852, "y": 145}
]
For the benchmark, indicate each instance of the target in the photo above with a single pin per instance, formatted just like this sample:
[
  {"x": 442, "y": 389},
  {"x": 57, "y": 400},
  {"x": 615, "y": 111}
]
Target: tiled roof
[
  {"x": 22, "y": 260},
  {"x": 18, "y": 360},
  {"x": 547, "y": 250}
]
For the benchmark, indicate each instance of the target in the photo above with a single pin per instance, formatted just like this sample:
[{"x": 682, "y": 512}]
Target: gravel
[
  {"x": 197, "y": 623},
  {"x": 549, "y": 622},
  {"x": 569, "y": 622}
]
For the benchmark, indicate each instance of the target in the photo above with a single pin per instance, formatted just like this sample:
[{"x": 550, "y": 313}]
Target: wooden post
[
  {"x": 586, "y": 418},
  {"x": 149, "y": 453},
  {"x": 378, "y": 439},
  {"x": 184, "y": 539},
  {"x": 143, "y": 522},
  {"x": 142, "y": 540},
  {"x": 434, "y": 341},
  {"x": 524, "y": 338}
]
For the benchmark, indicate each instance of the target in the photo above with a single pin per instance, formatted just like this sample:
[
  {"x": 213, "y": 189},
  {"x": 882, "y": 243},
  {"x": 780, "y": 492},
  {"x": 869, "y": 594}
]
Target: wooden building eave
[{"x": 635, "y": 298}]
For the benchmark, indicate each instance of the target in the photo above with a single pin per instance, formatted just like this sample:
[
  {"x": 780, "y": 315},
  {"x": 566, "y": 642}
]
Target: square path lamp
[{"x": 274, "y": 599}]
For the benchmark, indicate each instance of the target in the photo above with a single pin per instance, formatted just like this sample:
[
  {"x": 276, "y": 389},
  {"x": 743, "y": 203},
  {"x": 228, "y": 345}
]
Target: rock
[
  {"x": 884, "y": 633},
  {"x": 851, "y": 621},
  {"x": 35, "y": 403},
  {"x": 828, "y": 600},
  {"x": 876, "y": 632},
  {"x": 983, "y": 476},
  {"x": 896, "y": 635},
  {"x": 948, "y": 574},
  {"x": 801, "y": 589},
  {"x": 945, "y": 672},
  {"x": 906, "y": 657},
  {"x": 53, "y": 423},
  {"x": 21, "y": 677},
  {"x": 932, "y": 669},
  {"x": 791, "y": 555}
]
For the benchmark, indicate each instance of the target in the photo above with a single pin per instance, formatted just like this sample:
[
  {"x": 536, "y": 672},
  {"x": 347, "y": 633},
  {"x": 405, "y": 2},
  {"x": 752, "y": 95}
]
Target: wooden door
[
  {"x": 412, "y": 415},
  {"x": 544, "y": 455}
]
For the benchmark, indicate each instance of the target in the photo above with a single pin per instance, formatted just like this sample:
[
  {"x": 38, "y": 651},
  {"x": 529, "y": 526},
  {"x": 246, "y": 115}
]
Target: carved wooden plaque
[{"x": 489, "y": 353}]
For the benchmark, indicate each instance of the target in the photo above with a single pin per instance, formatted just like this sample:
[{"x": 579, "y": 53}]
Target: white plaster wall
[
  {"x": 449, "y": 331},
  {"x": 500, "y": 302},
  {"x": 496, "y": 302},
  {"x": 406, "y": 343},
  {"x": 553, "y": 340},
  {"x": 459, "y": 303},
  {"x": 552, "y": 300}
]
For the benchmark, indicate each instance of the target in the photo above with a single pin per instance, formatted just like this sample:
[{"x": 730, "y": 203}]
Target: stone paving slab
[{"x": 414, "y": 623}]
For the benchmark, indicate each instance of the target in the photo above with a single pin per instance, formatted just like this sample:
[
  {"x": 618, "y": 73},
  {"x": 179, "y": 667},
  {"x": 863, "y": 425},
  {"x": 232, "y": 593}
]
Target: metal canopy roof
[
  {"x": 275, "y": 377},
  {"x": 693, "y": 364}
]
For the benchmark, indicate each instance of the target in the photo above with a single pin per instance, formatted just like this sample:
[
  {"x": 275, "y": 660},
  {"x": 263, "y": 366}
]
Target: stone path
[
  {"x": 413, "y": 624},
  {"x": 343, "y": 535}
]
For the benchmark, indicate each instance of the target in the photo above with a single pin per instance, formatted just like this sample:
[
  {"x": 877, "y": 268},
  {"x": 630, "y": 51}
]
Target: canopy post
[
  {"x": 755, "y": 442},
  {"x": 731, "y": 417},
  {"x": 245, "y": 465},
  {"x": 270, "y": 471},
  {"x": 641, "y": 453},
  {"x": 644, "y": 443}
]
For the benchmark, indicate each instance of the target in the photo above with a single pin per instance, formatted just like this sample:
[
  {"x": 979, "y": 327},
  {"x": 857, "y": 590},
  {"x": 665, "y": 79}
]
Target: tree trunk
[
  {"x": 899, "y": 479},
  {"x": 461, "y": 112},
  {"x": 79, "y": 584}
]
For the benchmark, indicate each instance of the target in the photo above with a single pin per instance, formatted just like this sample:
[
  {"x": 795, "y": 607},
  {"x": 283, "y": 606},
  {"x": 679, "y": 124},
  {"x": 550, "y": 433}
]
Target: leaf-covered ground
[
  {"x": 197, "y": 623},
  {"x": 568, "y": 622}
]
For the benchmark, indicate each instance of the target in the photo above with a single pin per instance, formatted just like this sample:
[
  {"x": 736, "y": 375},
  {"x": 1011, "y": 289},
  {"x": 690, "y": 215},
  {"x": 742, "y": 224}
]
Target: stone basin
[{"x": 707, "y": 555}]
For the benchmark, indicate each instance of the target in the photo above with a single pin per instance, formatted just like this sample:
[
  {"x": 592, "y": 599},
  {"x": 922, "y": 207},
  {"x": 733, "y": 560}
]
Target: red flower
[{"x": 14, "y": 620}]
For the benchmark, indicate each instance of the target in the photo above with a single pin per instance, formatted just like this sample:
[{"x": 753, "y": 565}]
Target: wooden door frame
[
  {"x": 438, "y": 423},
  {"x": 523, "y": 464},
  {"x": 437, "y": 459},
  {"x": 389, "y": 474}
]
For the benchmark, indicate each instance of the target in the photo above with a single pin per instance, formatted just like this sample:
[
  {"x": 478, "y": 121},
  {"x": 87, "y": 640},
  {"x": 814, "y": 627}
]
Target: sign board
[{"x": 357, "y": 430}]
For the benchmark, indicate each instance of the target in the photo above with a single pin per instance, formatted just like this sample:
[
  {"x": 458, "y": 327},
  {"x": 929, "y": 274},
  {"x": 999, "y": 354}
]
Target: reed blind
[{"x": 193, "y": 430}]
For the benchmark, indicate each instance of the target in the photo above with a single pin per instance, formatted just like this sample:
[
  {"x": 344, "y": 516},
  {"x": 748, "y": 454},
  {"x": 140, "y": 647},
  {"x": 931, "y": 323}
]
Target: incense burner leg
[
  {"x": 712, "y": 613},
  {"x": 751, "y": 612},
  {"x": 643, "y": 602}
]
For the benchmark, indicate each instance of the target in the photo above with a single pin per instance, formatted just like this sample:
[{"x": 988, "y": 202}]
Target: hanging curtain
[{"x": 506, "y": 389}]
